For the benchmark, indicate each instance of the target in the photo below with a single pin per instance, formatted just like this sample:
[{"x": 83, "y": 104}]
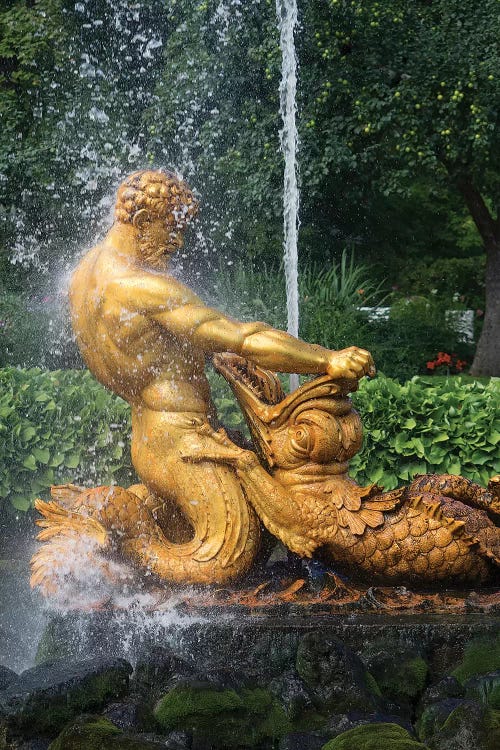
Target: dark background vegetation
[{"x": 399, "y": 128}]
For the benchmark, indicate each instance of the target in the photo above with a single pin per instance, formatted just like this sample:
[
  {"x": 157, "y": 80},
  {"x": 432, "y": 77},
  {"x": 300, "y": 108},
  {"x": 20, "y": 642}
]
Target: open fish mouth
[
  {"x": 249, "y": 381},
  {"x": 261, "y": 396}
]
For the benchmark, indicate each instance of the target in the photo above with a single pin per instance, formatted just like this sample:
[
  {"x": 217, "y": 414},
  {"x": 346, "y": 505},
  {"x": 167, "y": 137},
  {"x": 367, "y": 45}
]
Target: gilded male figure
[{"x": 146, "y": 336}]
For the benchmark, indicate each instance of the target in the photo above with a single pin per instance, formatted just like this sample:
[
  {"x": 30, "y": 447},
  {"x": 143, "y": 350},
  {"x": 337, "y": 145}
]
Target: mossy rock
[
  {"x": 435, "y": 714},
  {"x": 485, "y": 689},
  {"x": 448, "y": 687},
  {"x": 375, "y": 737},
  {"x": 45, "y": 698},
  {"x": 480, "y": 657},
  {"x": 87, "y": 734},
  {"x": 335, "y": 675},
  {"x": 403, "y": 679},
  {"x": 97, "y": 733},
  {"x": 399, "y": 669},
  {"x": 471, "y": 726},
  {"x": 232, "y": 719}
]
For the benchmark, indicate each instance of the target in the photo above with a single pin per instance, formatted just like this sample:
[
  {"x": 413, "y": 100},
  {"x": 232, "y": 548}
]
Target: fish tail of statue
[
  {"x": 111, "y": 522},
  {"x": 72, "y": 540}
]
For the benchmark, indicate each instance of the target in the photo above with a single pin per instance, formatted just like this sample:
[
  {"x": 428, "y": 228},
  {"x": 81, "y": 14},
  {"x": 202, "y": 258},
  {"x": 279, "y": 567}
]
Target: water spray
[{"x": 286, "y": 11}]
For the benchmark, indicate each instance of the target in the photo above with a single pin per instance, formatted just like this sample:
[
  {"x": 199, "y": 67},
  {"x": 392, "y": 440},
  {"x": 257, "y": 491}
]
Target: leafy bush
[
  {"x": 58, "y": 427},
  {"x": 427, "y": 425},
  {"x": 250, "y": 294},
  {"x": 63, "y": 426},
  {"x": 330, "y": 302}
]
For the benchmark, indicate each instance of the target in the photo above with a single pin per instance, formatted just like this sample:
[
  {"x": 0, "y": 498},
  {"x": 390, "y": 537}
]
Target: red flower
[
  {"x": 444, "y": 358},
  {"x": 450, "y": 362}
]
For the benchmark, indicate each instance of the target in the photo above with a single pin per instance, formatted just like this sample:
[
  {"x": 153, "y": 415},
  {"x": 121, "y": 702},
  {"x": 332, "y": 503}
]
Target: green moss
[
  {"x": 235, "y": 720},
  {"x": 375, "y": 737},
  {"x": 406, "y": 679},
  {"x": 493, "y": 730},
  {"x": 186, "y": 705},
  {"x": 98, "y": 689},
  {"x": 428, "y": 721},
  {"x": 93, "y": 734},
  {"x": 309, "y": 721},
  {"x": 372, "y": 684},
  {"x": 399, "y": 668},
  {"x": 480, "y": 657},
  {"x": 48, "y": 713},
  {"x": 97, "y": 733}
]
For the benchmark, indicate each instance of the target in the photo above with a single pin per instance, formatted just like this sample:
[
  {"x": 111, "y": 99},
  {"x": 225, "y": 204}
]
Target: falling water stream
[{"x": 287, "y": 19}]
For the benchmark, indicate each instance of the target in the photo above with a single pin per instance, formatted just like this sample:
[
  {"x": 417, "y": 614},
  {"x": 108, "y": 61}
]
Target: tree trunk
[{"x": 487, "y": 356}]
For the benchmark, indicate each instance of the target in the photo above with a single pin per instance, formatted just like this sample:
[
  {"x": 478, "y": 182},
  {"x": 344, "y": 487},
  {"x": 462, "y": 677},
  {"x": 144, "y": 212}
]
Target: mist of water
[{"x": 287, "y": 19}]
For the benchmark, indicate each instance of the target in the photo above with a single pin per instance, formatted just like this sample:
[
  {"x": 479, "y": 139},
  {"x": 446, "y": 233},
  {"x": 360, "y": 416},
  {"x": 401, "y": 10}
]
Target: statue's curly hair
[{"x": 162, "y": 193}]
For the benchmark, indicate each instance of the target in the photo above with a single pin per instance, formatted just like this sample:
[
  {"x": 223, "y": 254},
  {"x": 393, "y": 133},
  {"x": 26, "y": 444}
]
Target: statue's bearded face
[{"x": 158, "y": 240}]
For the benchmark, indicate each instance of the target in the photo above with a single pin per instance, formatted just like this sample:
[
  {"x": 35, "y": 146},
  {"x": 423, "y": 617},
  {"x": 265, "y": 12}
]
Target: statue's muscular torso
[{"x": 123, "y": 345}]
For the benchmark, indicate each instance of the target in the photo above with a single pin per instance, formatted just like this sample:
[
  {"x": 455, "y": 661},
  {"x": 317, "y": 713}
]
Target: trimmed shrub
[
  {"x": 427, "y": 425},
  {"x": 62, "y": 426},
  {"x": 57, "y": 427}
]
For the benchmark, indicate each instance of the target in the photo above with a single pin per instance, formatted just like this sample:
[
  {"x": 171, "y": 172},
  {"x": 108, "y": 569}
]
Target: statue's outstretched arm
[
  {"x": 180, "y": 311},
  {"x": 271, "y": 348}
]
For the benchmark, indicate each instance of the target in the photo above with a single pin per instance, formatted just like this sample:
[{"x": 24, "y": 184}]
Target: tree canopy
[{"x": 398, "y": 120}]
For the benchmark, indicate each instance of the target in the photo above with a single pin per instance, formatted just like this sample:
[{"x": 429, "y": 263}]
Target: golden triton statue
[{"x": 195, "y": 517}]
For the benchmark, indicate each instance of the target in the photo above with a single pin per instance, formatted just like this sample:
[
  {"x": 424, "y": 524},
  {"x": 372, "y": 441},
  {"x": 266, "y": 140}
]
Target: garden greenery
[
  {"x": 62, "y": 426},
  {"x": 428, "y": 425},
  {"x": 57, "y": 427}
]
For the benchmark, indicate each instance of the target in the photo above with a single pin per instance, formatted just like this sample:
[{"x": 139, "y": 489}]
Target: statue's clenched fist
[{"x": 350, "y": 363}]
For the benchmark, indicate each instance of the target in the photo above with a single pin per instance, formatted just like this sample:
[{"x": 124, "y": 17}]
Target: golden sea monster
[
  {"x": 439, "y": 528},
  {"x": 146, "y": 336}
]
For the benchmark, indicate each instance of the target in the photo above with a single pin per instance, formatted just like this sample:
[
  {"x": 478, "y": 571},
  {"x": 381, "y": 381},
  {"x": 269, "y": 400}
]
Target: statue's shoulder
[{"x": 153, "y": 291}]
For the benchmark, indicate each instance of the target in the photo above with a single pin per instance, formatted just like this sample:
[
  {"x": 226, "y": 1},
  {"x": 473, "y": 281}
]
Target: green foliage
[
  {"x": 249, "y": 293},
  {"x": 417, "y": 329},
  {"x": 34, "y": 333},
  {"x": 331, "y": 298},
  {"x": 427, "y": 425},
  {"x": 220, "y": 90},
  {"x": 63, "y": 426},
  {"x": 19, "y": 333},
  {"x": 58, "y": 427},
  {"x": 374, "y": 737},
  {"x": 412, "y": 89},
  {"x": 449, "y": 277}
]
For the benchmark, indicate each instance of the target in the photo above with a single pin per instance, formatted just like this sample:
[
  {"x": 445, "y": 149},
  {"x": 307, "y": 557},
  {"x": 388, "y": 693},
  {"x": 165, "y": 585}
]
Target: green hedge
[
  {"x": 428, "y": 425},
  {"x": 59, "y": 426},
  {"x": 62, "y": 426}
]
